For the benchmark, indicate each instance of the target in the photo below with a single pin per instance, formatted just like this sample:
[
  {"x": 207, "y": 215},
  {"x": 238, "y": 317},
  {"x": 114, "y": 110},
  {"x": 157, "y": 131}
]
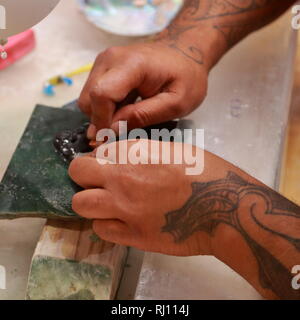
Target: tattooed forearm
[
  {"x": 232, "y": 19},
  {"x": 269, "y": 223}
]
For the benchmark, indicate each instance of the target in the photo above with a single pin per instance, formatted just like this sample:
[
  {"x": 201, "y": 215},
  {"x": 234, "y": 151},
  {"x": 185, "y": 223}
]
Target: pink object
[{"x": 17, "y": 47}]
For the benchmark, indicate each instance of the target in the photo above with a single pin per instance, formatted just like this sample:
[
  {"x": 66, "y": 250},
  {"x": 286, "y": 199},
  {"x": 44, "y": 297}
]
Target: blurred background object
[
  {"x": 17, "y": 47},
  {"x": 49, "y": 85},
  {"x": 19, "y": 16},
  {"x": 16, "y": 17},
  {"x": 130, "y": 17}
]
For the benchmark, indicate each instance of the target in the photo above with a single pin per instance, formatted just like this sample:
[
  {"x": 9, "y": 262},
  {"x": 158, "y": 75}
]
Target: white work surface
[{"x": 244, "y": 118}]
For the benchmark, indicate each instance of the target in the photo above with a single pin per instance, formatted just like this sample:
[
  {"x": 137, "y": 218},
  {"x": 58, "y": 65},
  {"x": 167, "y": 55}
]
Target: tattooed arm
[
  {"x": 205, "y": 29},
  {"x": 254, "y": 230},
  {"x": 223, "y": 212},
  {"x": 170, "y": 74}
]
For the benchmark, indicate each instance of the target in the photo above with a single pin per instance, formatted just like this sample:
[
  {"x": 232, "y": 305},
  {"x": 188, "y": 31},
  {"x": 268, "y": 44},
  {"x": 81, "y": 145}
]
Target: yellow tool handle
[{"x": 58, "y": 79}]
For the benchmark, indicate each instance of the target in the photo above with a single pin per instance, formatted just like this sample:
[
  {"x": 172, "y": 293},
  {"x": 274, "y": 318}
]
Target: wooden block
[
  {"x": 70, "y": 262},
  {"x": 290, "y": 173}
]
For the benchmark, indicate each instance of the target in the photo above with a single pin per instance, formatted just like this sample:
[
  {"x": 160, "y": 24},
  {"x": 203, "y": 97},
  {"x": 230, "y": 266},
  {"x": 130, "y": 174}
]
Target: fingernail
[
  {"x": 115, "y": 127},
  {"x": 119, "y": 127},
  {"x": 91, "y": 132},
  {"x": 93, "y": 144}
]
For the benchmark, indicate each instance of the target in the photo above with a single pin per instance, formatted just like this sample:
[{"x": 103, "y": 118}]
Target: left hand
[
  {"x": 170, "y": 84},
  {"x": 129, "y": 203}
]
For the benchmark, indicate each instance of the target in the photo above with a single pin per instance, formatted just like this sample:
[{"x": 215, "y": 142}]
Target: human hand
[
  {"x": 170, "y": 84},
  {"x": 129, "y": 203}
]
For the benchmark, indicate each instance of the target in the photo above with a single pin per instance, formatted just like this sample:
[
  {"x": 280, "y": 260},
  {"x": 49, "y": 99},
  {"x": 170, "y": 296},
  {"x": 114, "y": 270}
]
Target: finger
[
  {"x": 131, "y": 98},
  {"x": 115, "y": 231},
  {"x": 92, "y": 130},
  {"x": 94, "y": 204},
  {"x": 112, "y": 88},
  {"x": 102, "y": 111},
  {"x": 160, "y": 108},
  {"x": 84, "y": 101},
  {"x": 87, "y": 172}
]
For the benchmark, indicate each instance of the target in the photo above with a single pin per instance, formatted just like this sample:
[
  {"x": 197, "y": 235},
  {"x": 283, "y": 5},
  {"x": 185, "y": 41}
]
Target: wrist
[{"x": 204, "y": 45}]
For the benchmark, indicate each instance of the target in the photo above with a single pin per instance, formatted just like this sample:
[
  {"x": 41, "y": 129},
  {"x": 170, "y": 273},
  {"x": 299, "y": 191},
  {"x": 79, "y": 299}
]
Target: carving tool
[{"x": 66, "y": 78}]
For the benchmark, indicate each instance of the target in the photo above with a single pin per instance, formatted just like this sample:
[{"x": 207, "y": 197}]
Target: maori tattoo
[
  {"x": 251, "y": 210},
  {"x": 234, "y": 19}
]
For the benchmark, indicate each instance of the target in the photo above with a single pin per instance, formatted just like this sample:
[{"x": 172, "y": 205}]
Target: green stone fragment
[
  {"x": 36, "y": 183},
  {"x": 58, "y": 279}
]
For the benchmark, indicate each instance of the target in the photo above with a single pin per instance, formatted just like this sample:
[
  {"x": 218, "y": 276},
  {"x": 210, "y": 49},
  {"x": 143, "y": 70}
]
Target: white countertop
[{"x": 253, "y": 80}]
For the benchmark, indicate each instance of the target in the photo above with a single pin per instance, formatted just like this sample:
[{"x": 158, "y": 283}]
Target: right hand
[
  {"x": 170, "y": 84},
  {"x": 129, "y": 203}
]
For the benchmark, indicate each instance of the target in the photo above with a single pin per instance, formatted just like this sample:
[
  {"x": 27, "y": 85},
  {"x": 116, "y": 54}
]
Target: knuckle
[
  {"x": 178, "y": 108},
  {"x": 141, "y": 117},
  {"x": 94, "y": 92},
  {"x": 97, "y": 93},
  {"x": 106, "y": 56},
  {"x": 111, "y": 51},
  {"x": 136, "y": 58},
  {"x": 100, "y": 58}
]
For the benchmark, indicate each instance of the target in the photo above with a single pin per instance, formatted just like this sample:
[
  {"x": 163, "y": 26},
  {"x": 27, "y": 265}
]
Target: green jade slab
[
  {"x": 55, "y": 279},
  {"x": 36, "y": 182}
]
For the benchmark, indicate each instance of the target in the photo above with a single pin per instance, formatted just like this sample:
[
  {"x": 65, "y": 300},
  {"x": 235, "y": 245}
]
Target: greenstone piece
[
  {"x": 58, "y": 279},
  {"x": 36, "y": 183}
]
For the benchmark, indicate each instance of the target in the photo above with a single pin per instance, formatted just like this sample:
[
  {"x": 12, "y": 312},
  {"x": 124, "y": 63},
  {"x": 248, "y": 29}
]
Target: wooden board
[
  {"x": 290, "y": 178},
  {"x": 71, "y": 262}
]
